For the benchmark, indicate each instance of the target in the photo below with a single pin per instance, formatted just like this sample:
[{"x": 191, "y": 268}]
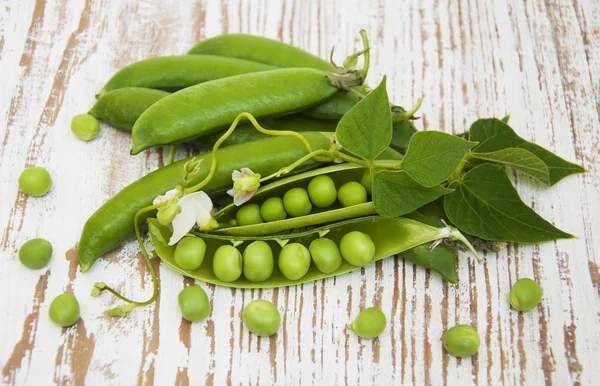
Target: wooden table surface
[{"x": 537, "y": 60}]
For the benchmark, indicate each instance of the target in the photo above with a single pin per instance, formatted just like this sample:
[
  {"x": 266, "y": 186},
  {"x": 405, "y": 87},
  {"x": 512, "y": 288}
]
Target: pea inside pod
[{"x": 390, "y": 236}]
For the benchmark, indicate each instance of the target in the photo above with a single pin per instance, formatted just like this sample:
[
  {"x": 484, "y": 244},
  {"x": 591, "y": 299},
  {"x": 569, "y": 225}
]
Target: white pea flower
[
  {"x": 166, "y": 197},
  {"x": 196, "y": 208},
  {"x": 245, "y": 185}
]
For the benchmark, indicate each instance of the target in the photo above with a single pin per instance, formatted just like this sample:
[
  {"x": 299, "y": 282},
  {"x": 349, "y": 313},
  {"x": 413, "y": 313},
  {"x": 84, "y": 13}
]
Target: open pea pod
[
  {"x": 340, "y": 174},
  {"x": 391, "y": 235}
]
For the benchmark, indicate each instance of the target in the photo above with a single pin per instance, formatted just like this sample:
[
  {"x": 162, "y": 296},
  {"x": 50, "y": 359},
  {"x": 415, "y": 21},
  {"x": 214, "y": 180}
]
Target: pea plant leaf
[
  {"x": 396, "y": 193},
  {"x": 519, "y": 159},
  {"x": 494, "y": 134},
  {"x": 432, "y": 156},
  {"x": 366, "y": 129},
  {"x": 485, "y": 204}
]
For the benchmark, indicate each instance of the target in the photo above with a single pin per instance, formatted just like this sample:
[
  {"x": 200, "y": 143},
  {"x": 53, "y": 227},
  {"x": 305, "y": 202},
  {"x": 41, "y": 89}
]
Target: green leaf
[
  {"x": 366, "y": 129},
  {"x": 159, "y": 236},
  {"x": 519, "y": 159},
  {"x": 493, "y": 134},
  {"x": 395, "y": 193},
  {"x": 485, "y": 204},
  {"x": 432, "y": 156}
]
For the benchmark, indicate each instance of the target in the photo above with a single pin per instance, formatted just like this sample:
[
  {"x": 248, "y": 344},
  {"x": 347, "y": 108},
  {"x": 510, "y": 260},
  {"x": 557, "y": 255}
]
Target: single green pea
[
  {"x": 193, "y": 303},
  {"x": 322, "y": 191},
  {"x": 326, "y": 254},
  {"x": 525, "y": 295},
  {"x": 35, "y": 253},
  {"x": 227, "y": 263},
  {"x": 367, "y": 181},
  {"x": 369, "y": 324},
  {"x": 261, "y": 317},
  {"x": 35, "y": 181},
  {"x": 273, "y": 210},
  {"x": 296, "y": 202},
  {"x": 64, "y": 310},
  {"x": 258, "y": 261},
  {"x": 248, "y": 214},
  {"x": 461, "y": 341},
  {"x": 85, "y": 127},
  {"x": 357, "y": 248},
  {"x": 294, "y": 261},
  {"x": 352, "y": 193},
  {"x": 189, "y": 253}
]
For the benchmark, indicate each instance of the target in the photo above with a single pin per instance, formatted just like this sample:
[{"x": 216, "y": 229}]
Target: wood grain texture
[{"x": 538, "y": 60}]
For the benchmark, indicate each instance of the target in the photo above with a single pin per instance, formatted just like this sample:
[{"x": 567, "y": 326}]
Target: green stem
[
  {"x": 171, "y": 156},
  {"x": 415, "y": 108},
  {"x": 291, "y": 167},
  {"x": 348, "y": 158},
  {"x": 367, "y": 58}
]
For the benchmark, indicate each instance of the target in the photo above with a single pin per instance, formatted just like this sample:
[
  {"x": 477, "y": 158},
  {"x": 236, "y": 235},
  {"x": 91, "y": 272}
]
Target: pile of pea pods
[{"x": 276, "y": 202}]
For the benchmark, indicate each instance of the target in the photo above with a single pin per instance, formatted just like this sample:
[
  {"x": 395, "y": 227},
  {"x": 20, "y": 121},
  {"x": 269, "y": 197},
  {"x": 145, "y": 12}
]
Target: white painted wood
[{"x": 538, "y": 60}]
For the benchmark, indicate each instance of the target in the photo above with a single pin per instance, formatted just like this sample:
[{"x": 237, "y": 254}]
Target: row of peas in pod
[
  {"x": 256, "y": 260},
  {"x": 321, "y": 193}
]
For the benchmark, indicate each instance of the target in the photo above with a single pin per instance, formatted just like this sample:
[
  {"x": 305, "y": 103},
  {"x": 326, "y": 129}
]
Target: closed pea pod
[
  {"x": 390, "y": 235},
  {"x": 112, "y": 223},
  {"x": 177, "y": 72},
  {"x": 204, "y": 108},
  {"x": 259, "y": 49}
]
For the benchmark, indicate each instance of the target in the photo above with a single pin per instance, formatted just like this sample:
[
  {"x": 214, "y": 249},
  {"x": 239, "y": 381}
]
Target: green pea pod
[
  {"x": 123, "y": 106},
  {"x": 199, "y": 110},
  {"x": 112, "y": 223},
  {"x": 390, "y": 235},
  {"x": 441, "y": 259},
  {"x": 260, "y": 49},
  {"x": 177, "y": 72},
  {"x": 335, "y": 108}
]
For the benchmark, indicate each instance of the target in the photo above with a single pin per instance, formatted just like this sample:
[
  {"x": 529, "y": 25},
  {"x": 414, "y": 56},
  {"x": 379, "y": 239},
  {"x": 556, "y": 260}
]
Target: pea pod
[
  {"x": 177, "y": 72},
  {"x": 390, "y": 235},
  {"x": 112, "y": 223},
  {"x": 260, "y": 49},
  {"x": 199, "y": 110}
]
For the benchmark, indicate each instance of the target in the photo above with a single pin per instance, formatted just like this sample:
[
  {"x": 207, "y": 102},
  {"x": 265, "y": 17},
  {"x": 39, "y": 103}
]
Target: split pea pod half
[
  {"x": 388, "y": 234},
  {"x": 260, "y": 49},
  {"x": 339, "y": 174},
  {"x": 199, "y": 110},
  {"x": 176, "y": 72},
  {"x": 112, "y": 223}
]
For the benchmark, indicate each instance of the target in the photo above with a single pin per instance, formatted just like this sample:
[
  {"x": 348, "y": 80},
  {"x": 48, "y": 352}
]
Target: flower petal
[
  {"x": 184, "y": 221},
  {"x": 236, "y": 174},
  {"x": 166, "y": 197},
  {"x": 231, "y": 192},
  {"x": 247, "y": 171},
  {"x": 242, "y": 198}
]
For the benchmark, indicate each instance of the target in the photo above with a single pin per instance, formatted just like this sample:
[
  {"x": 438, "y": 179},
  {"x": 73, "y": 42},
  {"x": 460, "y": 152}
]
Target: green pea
[
  {"x": 357, "y": 248},
  {"x": 248, "y": 214},
  {"x": 296, "y": 202},
  {"x": 352, "y": 193},
  {"x": 35, "y": 253},
  {"x": 193, "y": 303},
  {"x": 322, "y": 191},
  {"x": 461, "y": 341},
  {"x": 326, "y": 254},
  {"x": 35, "y": 181},
  {"x": 64, "y": 310},
  {"x": 525, "y": 295},
  {"x": 227, "y": 263},
  {"x": 85, "y": 127},
  {"x": 294, "y": 261},
  {"x": 258, "y": 261},
  {"x": 189, "y": 253},
  {"x": 369, "y": 324},
  {"x": 261, "y": 317},
  {"x": 367, "y": 181},
  {"x": 273, "y": 210}
]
